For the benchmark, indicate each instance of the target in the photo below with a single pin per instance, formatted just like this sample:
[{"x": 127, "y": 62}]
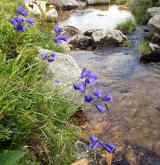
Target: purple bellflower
[
  {"x": 51, "y": 57},
  {"x": 85, "y": 73},
  {"x": 43, "y": 55},
  {"x": 88, "y": 98},
  {"x": 21, "y": 10},
  {"x": 107, "y": 97},
  {"x": 81, "y": 86},
  {"x": 20, "y": 28},
  {"x": 57, "y": 41},
  {"x": 31, "y": 21},
  {"x": 108, "y": 147},
  {"x": 63, "y": 38},
  {"x": 57, "y": 29},
  {"x": 98, "y": 93},
  {"x": 100, "y": 108}
]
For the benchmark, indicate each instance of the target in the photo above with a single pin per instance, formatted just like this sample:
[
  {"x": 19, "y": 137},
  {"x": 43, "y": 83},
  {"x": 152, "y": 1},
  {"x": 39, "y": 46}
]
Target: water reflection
[{"x": 98, "y": 19}]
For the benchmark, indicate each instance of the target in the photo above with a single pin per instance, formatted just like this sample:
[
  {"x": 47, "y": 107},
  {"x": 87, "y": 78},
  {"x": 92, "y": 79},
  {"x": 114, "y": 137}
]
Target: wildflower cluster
[
  {"x": 90, "y": 79},
  {"x": 50, "y": 58},
  {"x": 21, "y": 21},
  {"x": 96, "y": 144},
  {"x": 58, "y": 40}
]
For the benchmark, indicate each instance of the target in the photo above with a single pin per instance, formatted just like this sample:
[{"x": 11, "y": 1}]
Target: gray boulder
[
  {"x": 108, "y": 37},
  {"x": 154, "y": 28},
  {"x": 153, "y": 11},
  {"x": 49, "y": 10},
  {"x": 94, "y": 2},
  {"x": 64, "y": 68},
  {"x": 67, "y": 4},
  {"x": 81, "y": 42}
]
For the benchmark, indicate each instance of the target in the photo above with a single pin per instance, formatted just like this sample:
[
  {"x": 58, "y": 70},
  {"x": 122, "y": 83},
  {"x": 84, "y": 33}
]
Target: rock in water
[
  {"x": 108, "y": 37},
  {"x": 153, "y": 11},
  {"x": 82, "y": 42},
  {"x": 154, "y": 28},
  {"x": 94, "y": 2}
]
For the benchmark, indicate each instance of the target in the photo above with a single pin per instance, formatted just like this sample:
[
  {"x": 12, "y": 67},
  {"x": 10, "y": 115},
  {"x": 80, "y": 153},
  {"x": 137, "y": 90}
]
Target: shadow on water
[{"x": 133, "y": 154}]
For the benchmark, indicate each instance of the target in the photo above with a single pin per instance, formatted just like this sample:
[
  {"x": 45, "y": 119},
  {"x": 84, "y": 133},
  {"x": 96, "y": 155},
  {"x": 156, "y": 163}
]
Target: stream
[{"x": 135, "y": 86}]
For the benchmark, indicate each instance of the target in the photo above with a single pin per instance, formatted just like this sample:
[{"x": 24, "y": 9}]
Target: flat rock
[{"x": 108, "y": 37}]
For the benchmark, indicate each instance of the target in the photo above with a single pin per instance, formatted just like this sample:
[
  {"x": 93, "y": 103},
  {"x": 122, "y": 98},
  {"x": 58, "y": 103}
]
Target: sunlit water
[{"x": 98, "y": 19}]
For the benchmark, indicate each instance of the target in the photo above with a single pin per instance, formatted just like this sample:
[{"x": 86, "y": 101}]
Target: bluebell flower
[
  {"x": 57, "y": 29},
  {"x": 98, "y": 93},
  {"x": 21, "y": 10},
  {"x": 51, "y": 57},
  {"x": 63, "y": 38},
  {"x": 107, "y": 97},
  {"x": 94, "y": 144},
  {"x": 30, "y": 21},
  {"x": 93, "y": 138},
  {"x": 58, "y": 81},
  {"x": 81, "y": 86},
  {"x": 85, "y": 73},
  {"x": 43, "y": 55},
  {"x": 57, "y": 41},
  {"x": 94, "y": 75},
  {"x": 108, "y": 147},
  {"x": 90, "y": 81},
  {"x": 13, "y": 21},
  {"x": 101, "y": 108},
  {"x": 20, "y": 28},
  {"x": 16, "y": 21},
  {"x": 88, "y": 98}
]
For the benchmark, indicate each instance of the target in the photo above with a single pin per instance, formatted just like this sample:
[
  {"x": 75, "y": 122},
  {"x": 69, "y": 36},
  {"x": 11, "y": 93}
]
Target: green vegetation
[
  {"x": 34, "y": 118},
  {"x": 127, "y": 26},
  {"x": 139, "y": 8},
  {"x": 120, "y": 2},
  {"x": 144, "y": 47}
]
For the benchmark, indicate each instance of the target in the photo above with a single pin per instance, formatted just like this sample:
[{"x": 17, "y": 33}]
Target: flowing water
[{"x": 135, "y": 86}]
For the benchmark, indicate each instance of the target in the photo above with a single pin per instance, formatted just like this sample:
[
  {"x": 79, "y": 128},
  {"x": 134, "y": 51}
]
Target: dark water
[{"x": 135, "y": 86}]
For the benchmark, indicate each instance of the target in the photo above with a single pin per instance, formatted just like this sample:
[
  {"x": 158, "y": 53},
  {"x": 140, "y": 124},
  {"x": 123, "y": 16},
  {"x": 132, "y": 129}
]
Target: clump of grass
[
  {"x": 126, "y": 43},
  {"x": 139, "y": 9},
  {"x": 144, "y": 47},
  {"x": 122, "y": 2},
  {"x": 31, "y": 113},
  {"x": 119, "y": 2},
  {"x": 127, "y": 26}
]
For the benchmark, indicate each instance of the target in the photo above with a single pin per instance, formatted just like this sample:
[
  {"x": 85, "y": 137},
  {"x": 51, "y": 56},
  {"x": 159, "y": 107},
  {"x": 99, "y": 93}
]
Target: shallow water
[
  {"x": 93, "y": 18},
  {"x": 135, "y": 86}
]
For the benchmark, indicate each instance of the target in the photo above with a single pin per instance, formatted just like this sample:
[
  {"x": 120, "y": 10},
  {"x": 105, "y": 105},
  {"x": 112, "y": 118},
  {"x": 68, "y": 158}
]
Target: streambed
[{"x": 135, "y": 86}]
